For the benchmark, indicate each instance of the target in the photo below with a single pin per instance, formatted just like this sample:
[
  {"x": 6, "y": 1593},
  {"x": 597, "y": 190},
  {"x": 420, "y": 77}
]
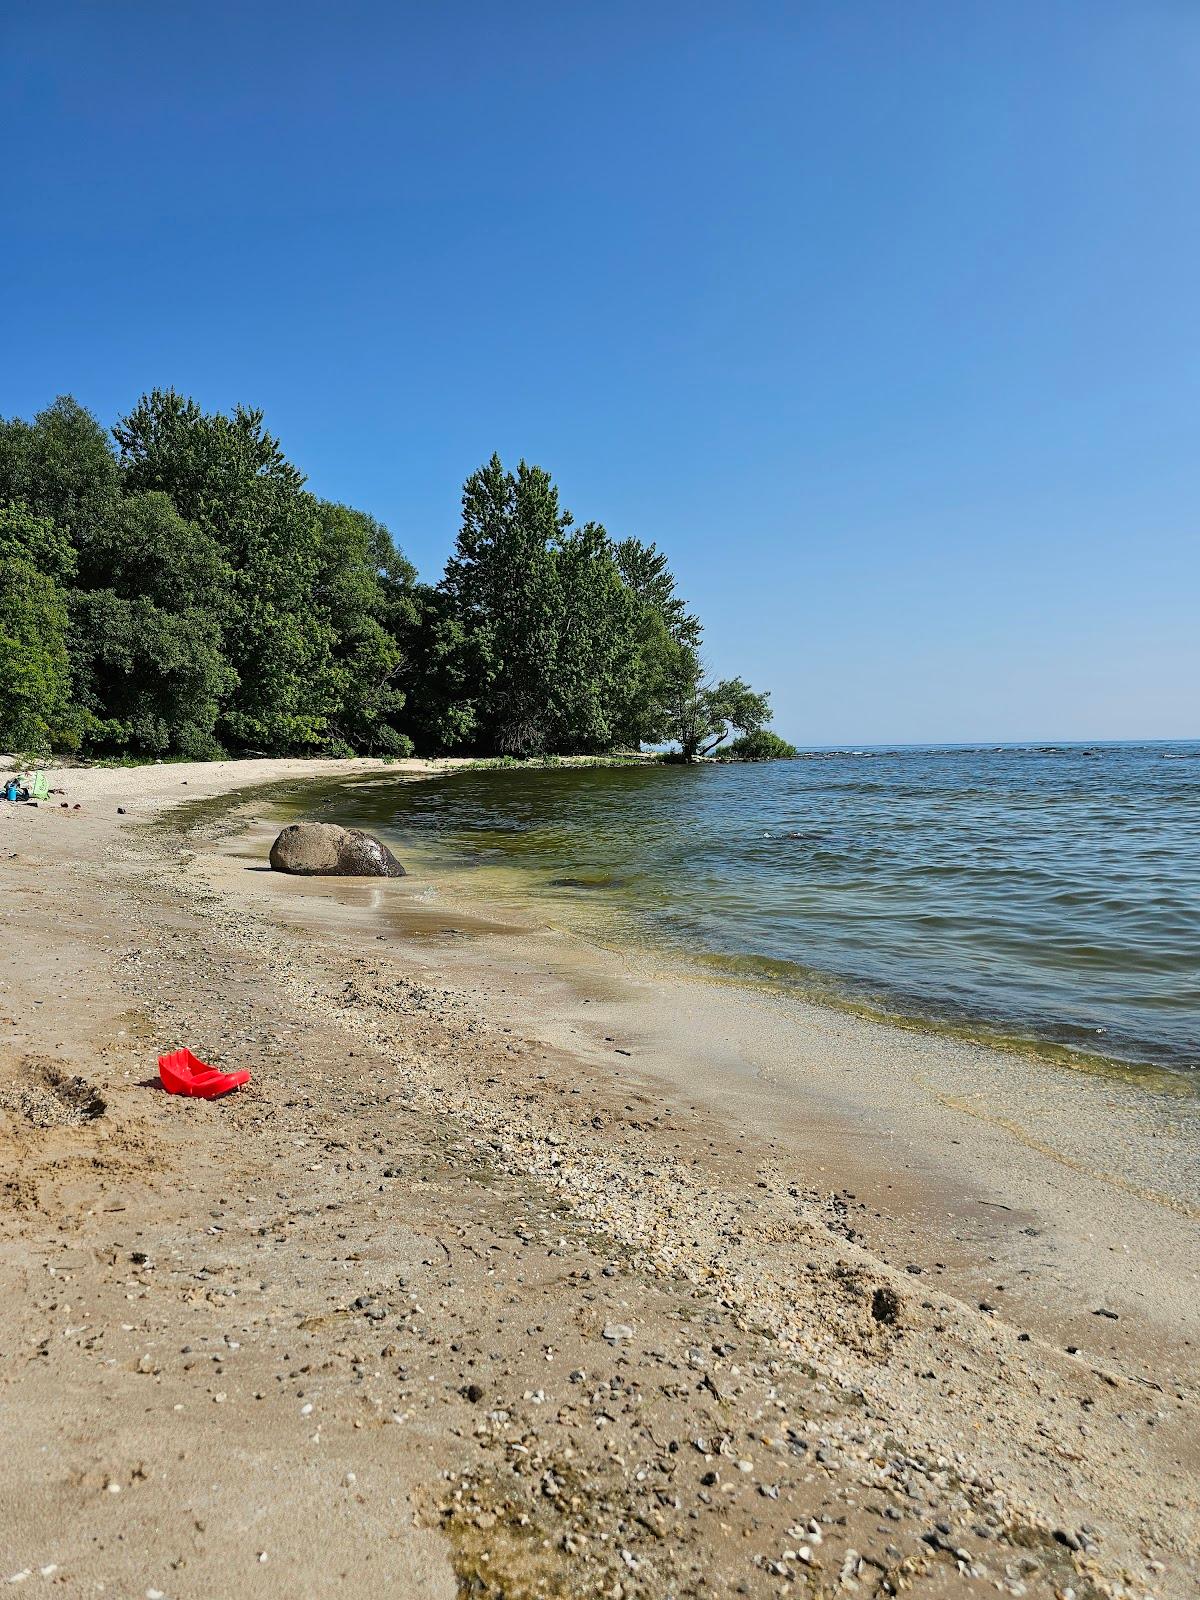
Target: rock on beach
[{"x": 322, "y": 849}]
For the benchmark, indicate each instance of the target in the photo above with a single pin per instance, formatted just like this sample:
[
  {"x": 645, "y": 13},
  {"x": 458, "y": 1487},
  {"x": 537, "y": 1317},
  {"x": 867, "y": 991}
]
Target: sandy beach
[{"x": 525, "y": 1267}]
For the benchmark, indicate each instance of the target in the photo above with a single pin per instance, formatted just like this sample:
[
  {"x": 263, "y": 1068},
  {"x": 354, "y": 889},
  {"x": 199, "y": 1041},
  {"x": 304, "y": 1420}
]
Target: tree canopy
[{"x": 175, "y": 588}]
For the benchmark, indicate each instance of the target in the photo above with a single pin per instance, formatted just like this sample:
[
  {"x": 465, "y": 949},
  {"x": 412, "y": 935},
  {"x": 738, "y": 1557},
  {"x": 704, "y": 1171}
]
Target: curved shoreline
[
  {"x": 619, "y": 927},
  {"x": 738, "y": 1191}
]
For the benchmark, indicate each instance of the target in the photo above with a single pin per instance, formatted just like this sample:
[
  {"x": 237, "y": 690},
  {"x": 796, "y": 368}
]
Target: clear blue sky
[{"x": 883, "y": 318}]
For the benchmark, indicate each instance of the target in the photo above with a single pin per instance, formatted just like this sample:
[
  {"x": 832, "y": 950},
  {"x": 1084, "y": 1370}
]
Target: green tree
[
  {"x": 704, "y": 714},
  {"x": 230, "y": 477},
  {"x": 595, "y": 661},
  {"x": 664, "y": 640},
  {"x": 186, "y": 592},
  {"x": 208, "y": 463},
  {"x": 35, "y": 560},
  {"x": 146, "y": 634},
  {"x": 438, "y": 675},
  {"x": 150, "y": 682},
  {"x": 363, "y": 590},
  {"x": 61, "y": 465},
  {"x": 503, "y": 583}
]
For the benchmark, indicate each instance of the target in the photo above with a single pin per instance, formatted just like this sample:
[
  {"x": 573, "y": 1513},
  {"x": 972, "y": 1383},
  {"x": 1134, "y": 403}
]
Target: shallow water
[{"x": 1041, "y": 894}]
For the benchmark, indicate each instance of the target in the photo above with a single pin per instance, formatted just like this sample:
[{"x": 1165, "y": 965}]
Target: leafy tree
[
  {"x": 207, "y": 463},
  {"x": 280, "y": 643},
  {"x": 664, "y": 639},
  {"x": 503, "y": 582},
  {"x": 61, "y": 465},
  {"x": 35, "y": 559},
  {"x": 150, "y": 682},
  {"x": 186, "y": 593},
  {"x": 595, "y": 664},
  {"x": 146, "y": 638},
  {"x": 147, "y": 550},
  {"x": 228, "y": 475},
  {"x": 438, "y": 674},
  {"x": 703, "y": 711},
  {"x": 363, "y": 586}
]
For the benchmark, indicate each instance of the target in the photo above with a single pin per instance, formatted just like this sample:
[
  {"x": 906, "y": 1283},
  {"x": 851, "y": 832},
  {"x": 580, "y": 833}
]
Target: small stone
[{"x": 617, "y": 1332}]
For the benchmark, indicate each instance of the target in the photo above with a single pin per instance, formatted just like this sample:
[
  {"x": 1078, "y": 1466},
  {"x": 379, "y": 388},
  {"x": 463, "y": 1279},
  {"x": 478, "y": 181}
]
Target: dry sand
[{"x": 521, "y": 1269}]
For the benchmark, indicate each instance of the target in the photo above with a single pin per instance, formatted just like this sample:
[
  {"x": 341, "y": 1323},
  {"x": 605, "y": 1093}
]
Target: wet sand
[{"x": 752, "y": 1293}]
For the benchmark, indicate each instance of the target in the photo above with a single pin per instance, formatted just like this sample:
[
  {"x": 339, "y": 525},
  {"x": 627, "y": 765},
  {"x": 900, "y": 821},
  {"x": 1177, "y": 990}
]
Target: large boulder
[{"x": 322, "y": 849}]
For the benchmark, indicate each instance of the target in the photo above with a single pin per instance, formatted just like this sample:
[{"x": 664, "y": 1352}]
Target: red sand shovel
[{"x": 183, "y": 1073}]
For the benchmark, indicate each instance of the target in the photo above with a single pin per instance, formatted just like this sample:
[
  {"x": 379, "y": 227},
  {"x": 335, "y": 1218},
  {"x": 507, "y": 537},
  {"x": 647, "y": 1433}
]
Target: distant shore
[{"x": 890, "y": 1282}]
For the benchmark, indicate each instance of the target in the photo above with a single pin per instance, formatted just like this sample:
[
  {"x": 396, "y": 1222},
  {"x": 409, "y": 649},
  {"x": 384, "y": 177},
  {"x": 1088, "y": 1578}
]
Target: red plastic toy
[{"x": 183, "y": 1073}]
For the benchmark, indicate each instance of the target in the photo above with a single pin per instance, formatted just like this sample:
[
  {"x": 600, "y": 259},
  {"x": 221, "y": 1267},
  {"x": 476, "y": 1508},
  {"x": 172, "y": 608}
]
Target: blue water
[{"x": 1049, "y": 894}]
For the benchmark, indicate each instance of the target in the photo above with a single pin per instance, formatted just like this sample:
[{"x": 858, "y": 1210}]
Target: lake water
[{"x": 1042, "y": 895}]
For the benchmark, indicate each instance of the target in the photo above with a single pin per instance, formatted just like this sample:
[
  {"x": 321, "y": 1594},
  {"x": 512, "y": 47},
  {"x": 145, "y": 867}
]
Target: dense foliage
[
  {"x": 761, "y": 745},
  {"x": 174, "y": 589}
]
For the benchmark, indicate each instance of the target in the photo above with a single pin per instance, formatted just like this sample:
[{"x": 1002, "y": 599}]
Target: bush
[
  {"x": 760, "y": 746},
  {"x": 392, "y": 744}
]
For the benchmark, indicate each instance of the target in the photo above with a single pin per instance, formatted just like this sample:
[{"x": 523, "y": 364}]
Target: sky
[{"x": 883, "y": 319}]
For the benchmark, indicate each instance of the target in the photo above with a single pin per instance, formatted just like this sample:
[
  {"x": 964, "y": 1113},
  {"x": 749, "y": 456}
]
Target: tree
[
  {"x": 185, "y": 593},
  {"x": 437, "y": 674},
  {"x": 595, "y": 660},
  {"x": 146, "y": 634},
  {"x": 149, "y": 682},
  {"x": 503, "y": 583},
  {"x": 230, "y": 477},
  {"x": 207, "y": 463},
  {"x": 664, "y": 640},
  {"x": 363, "y": 590},
  {"x": 712, "y": 711},
  {"x": 61, "y": 466},
  {"x": 35, "y": 559},
  {"x": 147, "y": 550}
]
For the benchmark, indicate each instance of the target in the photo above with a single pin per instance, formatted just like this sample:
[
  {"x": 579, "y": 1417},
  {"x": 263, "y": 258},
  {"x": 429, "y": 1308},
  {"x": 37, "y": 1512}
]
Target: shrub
[{"x": 762, "y": 745}]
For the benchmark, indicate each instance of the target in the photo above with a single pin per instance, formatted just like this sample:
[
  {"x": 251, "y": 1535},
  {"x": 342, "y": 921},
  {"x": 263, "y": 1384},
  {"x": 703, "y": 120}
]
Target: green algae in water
[{"x": 1039, "y": 898}]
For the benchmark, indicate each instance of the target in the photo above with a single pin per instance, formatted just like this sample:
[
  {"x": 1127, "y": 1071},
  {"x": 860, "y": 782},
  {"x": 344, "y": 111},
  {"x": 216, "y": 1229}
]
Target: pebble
[{"x": 616, "y": 1332}]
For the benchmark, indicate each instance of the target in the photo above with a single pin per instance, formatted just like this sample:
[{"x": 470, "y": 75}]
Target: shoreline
[
  {"x": 766, "y": 1060},
  {"x": 788, "y": 1206},
  {"x": 585, "y": 914}
]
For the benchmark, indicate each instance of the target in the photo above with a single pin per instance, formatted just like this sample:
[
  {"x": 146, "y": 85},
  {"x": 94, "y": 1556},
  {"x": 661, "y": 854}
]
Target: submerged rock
[{"x": 322, "y": 849}]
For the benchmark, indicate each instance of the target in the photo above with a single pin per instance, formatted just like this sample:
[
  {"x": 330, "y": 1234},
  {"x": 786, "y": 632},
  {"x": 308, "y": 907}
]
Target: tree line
[{"x": 172, "y": 588}]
